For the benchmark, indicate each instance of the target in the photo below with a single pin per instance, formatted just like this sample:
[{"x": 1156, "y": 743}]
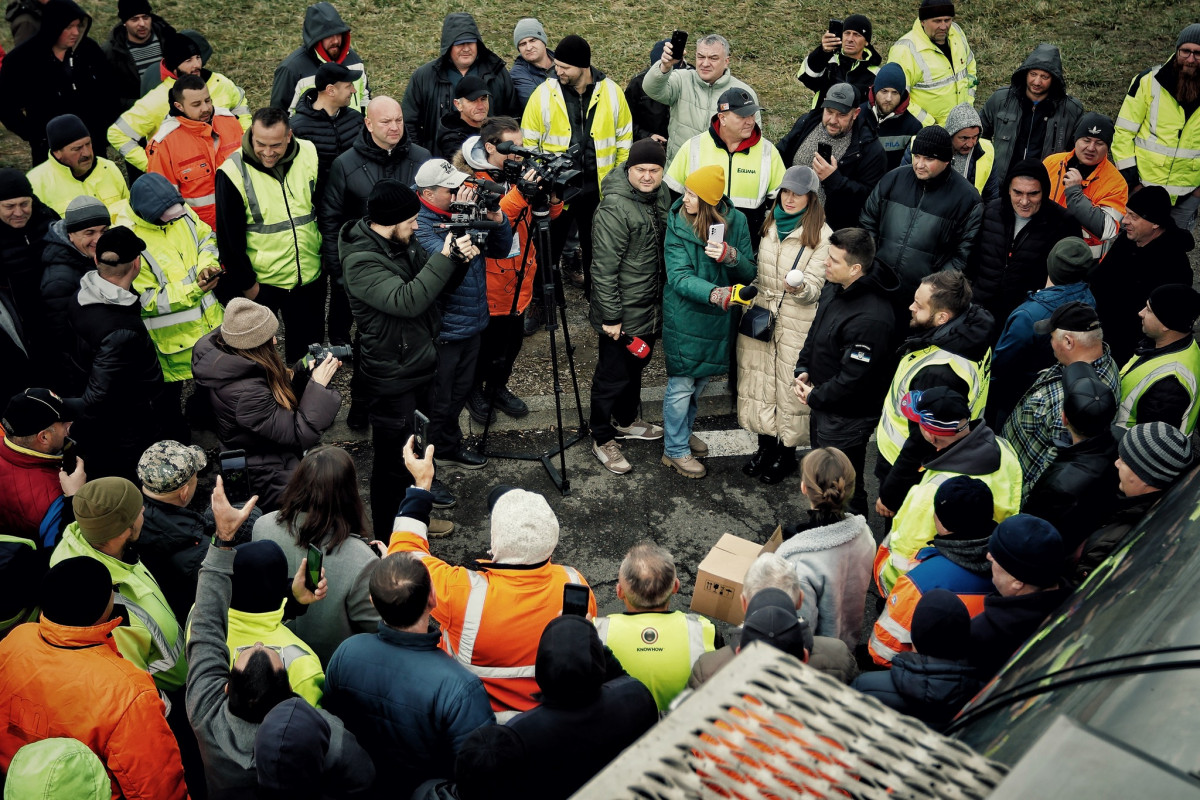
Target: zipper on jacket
[{"x": 295, "y": 238}]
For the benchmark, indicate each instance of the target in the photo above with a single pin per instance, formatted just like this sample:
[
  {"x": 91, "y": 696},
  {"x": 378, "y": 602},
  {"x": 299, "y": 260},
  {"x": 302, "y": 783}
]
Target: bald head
[{"x": 385, "y": 121}]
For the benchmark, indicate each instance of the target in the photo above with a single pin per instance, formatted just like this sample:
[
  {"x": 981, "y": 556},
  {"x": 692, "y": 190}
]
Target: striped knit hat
[{"x": 1156, "y": 452}]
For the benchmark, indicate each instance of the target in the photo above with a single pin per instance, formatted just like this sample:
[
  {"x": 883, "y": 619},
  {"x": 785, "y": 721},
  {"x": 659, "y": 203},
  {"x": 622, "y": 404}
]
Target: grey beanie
[
  {"x": 1157, "y": 453},
  {"x": 1189, "y": 35},
  {"x": 86, "y": 212},
  {"x": 962, "y": 116},
  {"x": 248, "y": 324},
  {"x": 527, "y": 27}
]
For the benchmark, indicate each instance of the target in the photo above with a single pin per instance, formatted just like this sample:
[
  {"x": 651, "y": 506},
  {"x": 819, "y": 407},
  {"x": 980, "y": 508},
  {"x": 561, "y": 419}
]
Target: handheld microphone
[
  {"x": 636, "y": 346},
  {"x": 743, "y": 295}
]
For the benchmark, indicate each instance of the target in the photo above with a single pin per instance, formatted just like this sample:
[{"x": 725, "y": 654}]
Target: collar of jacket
[
  {"x": 977, "y": 453},
  {"x": 432, "y": 209},
  {"x": 715, "y": 132},
  {"x": 66, "y": 637},
  {"x": 23, "y": 456},
  {"x": 1146, "y": 348},
  {"x": 63, "y": 168},
  {"x": 483, "y": 565},
  {"x": 411, "y": 641},
  {"x": 394, "y": 251}
]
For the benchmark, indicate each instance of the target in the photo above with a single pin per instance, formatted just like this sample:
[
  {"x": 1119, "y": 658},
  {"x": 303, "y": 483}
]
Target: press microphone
[
  {"x": 743, "y": 295},
  {"x": 636, "y": 346}
]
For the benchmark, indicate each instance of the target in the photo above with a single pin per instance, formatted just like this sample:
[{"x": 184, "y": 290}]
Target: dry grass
[{"x": 1104, "y": 43}]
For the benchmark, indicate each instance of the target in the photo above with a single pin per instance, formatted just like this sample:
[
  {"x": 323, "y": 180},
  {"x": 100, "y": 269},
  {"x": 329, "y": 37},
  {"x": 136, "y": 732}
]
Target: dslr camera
[{"x": 318, "y": 352}]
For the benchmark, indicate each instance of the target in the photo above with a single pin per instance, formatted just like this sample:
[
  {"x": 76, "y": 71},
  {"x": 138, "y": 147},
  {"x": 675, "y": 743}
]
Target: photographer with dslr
[
  {"x": 445, "y": 203},
  {"x": 511, "y": 281}
]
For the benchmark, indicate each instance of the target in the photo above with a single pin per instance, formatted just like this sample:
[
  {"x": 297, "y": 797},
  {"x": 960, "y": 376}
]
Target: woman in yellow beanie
[{"x": 703, "y": 265}]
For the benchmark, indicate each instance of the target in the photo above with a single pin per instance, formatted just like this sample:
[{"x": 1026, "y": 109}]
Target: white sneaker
[
  {"x": 639, "y": 429},
  {"x": 610, "y": 456}
]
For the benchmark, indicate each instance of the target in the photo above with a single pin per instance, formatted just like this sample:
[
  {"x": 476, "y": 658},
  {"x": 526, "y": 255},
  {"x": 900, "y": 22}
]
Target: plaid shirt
[{"x": 1037, "y": 422}]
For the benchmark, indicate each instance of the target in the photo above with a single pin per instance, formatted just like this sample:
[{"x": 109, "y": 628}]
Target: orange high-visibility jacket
[{"x": 187, "y": 153}]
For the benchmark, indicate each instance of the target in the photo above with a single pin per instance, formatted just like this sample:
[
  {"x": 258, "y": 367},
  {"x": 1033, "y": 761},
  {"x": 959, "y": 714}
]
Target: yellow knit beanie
[{"x": 708, "y": 183}]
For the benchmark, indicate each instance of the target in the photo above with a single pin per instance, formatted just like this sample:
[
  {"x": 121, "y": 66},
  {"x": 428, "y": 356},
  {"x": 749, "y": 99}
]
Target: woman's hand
[{"x": 323, "y": 373}]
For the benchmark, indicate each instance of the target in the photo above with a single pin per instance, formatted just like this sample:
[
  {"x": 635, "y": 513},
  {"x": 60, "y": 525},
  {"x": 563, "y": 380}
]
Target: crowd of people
[{"x": 996, "y": 302}]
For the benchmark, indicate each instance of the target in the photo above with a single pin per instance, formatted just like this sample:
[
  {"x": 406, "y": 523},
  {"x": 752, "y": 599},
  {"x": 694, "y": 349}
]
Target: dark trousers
[
  {"x": 451, "y": 385},
  {"x": 340, "y": 318},
  {"x": 850, "y": 435},
  {"x": 391, "y": 425},
  {"x": 498, "y": 351},
  {"x": 580, "y": 212},
  {"x": 169, "y": 409},
  {"x": 616, "y": 386},
  {"x": 303, "y": 310}
]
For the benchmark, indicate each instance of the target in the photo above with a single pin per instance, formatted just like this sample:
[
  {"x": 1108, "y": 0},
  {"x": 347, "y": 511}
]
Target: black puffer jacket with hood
[
  {"x": 321, "y": 20},
  {"x": 36, "y": 86},
  {"x": 332, "y": 136},
  {"x": 1004, "y": 269},
  {"x": 930, "y": 689},
  {"x": 63, "y": 268},
  {"x": 430, "y": 94},
  {"x": 1008, "y": 115}
]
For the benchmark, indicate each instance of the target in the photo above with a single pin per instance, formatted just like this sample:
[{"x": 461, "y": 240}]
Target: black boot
[
  {"x": 783, "y": 465},
  {"x": 762, "y": 458}
]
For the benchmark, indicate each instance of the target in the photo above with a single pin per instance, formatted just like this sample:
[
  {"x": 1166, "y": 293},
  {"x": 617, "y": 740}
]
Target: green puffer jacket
[
  {"x": 627, "y": 237},
  {"x": 698, "y": 336}
]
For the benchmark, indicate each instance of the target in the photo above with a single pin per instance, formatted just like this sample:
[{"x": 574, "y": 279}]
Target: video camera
[
  {"x": 554, "y": 173},
  {"x": 487, "y": 197}
]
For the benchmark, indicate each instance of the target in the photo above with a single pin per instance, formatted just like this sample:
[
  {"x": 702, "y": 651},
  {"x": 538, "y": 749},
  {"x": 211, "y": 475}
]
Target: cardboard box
[{"x": 718, "y": 591}]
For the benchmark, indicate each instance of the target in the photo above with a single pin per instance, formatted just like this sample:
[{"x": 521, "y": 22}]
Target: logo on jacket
[{"x": 649, "y": 635}]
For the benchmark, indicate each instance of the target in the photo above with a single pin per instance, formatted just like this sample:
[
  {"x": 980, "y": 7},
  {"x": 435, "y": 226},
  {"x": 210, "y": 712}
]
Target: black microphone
[
  {"x": 508, "y": 148},
  {"x": 489, "y": 186}
]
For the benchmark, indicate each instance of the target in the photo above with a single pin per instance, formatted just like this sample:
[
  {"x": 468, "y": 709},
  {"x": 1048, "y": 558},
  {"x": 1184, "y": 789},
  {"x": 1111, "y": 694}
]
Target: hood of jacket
[
  {"x": 57, "y": 15},
  {"x": 1027, "y": 168},
  {"x": 359, "y": 238},
  {"x": 474, "y": 156},
  {"x": 882, "y": 280},
  {"x": 570, "y": 666},
  {"x": 59, "y": 249},
  {"x": 321, "y": 20},
  {"x": 213, "y": 367},
  {"x": 968, "y": 335},
  {"x": 150, "y": 197},
  {"x": 58, "y": 767},
  {"x": 977, "y": 453},
  {"x": 934, "y": 682},
  {"x": 460, "y": 23},
  {"x": 1052, "y": 297},
  {"x": 94, "y": 290},
  {"x": 824, "y": 537},
  {"x": 1045, "y": 57}
]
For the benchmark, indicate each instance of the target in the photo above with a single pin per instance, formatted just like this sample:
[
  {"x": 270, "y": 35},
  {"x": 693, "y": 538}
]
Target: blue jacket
[
  {"x": 408, "y": 703},
  {"x": 526, "y": 77},
  {"x": 930, "y": 689},
  {"x": 464, "y": 306}
]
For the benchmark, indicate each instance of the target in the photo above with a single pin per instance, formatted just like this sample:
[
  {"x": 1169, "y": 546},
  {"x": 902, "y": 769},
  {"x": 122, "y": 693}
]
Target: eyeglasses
[
  {"x": 1189, "y": 55},
  {"x": 237, "y": 651}
]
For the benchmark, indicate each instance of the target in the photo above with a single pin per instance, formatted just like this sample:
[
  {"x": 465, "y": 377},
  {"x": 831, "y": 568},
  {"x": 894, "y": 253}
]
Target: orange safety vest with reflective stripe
[
  {"x": 1104, "y": 187},
  {"x": 492, "y": 618},
  {"x": 187, "y": 153}
]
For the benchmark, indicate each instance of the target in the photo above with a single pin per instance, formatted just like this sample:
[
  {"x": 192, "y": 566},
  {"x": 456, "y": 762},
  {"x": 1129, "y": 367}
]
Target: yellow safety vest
[
  {"x": 983, "y": 165},
  {"x": 658, "y": 649},
  {"x": 140, "y": 122},
  {"x": 546, "y": 127},
  {"x": 934, "y": 84},
  {"x": 304, "y": 669},
  {"x": 282, "y": 240},
  {"x": 892, "y": 432},
  {"x": 1137, "y": 378},
  {"x": 1153, "y": 135},
  {"x": 174, "y": 310},
  {"x": 56, "y": 186},
  {"x": 359, "y": 100},
  {"x": 752, "y": 176}
]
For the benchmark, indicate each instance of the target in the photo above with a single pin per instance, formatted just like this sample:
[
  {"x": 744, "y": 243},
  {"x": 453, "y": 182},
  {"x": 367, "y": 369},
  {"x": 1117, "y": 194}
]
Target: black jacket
[
  {"x": 21, "y": 270},
  {"x": 921, "y": 227},
  {"x": 1006, "y": 623},
  {"x": 650, "y": 117},
  {"x": 1123, "y": 281},
  {"x": 37, "y": 87},
  {"x": 821, "y": 70},
  {"x": 351, "y": 178},
  {"x": 1078, "y": 491},
  {"x": 430, "y": 95},
  {"x": 895, "y": 131},
  {"x": 332, "y": 136},
  {"x": 1004, "y": 270},
  {"x": 930, "y": 689},
  {"x": 453, "y": 132},
  {"x": 859, "y": 169},
  {"x": 120, "y": 60},
  {"x": 1101, "y": 544},
  {"x": 847, "y": 354},
  {"x": 63, "y": 268}
]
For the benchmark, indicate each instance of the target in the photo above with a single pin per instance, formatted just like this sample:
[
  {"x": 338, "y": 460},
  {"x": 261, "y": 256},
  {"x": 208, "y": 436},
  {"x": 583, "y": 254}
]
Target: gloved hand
[
  {"x": 719, "y": 297},
  {"x": 720, "y": 252}
]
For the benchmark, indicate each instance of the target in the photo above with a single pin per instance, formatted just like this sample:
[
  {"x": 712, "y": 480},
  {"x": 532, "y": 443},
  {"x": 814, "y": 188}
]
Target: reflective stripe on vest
[
  {"x": 168, "y": 654},
  {"x": 1159, "y": 155},
  {"x": 763, "y": 173},
  {"x": 929, "y": 84},
  {"x": 163, "y": 315},
  {"x": 1137, "y": 380},
  {"x": 892, "y": 432},
  {"x": 606, "y": 129}
]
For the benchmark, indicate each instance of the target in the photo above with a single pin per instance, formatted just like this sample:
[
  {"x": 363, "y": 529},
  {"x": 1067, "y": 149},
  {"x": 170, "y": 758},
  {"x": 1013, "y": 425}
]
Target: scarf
[{"x": 785, "y": 223}]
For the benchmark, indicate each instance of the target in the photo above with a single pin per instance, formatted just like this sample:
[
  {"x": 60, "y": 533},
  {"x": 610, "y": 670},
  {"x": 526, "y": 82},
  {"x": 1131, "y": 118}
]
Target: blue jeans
[{"x": 679, "y": 413}]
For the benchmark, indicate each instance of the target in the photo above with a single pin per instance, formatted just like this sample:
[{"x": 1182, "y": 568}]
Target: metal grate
[{"x": 767, "y": 726}]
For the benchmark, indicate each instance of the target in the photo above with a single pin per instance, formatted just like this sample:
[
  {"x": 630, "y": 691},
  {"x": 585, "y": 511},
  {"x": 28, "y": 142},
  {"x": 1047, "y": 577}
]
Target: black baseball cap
[
  {"x": 34, "y": 410},
  {"x": 471, "y": 88},
  {"x": 1074, "y": 316},
  {"x": 739, "y": 101},
  {"x": 332, "y": 72}
]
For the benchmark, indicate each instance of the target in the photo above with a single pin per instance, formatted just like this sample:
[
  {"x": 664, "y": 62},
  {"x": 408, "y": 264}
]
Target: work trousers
[{"x": 616, "y": 386}]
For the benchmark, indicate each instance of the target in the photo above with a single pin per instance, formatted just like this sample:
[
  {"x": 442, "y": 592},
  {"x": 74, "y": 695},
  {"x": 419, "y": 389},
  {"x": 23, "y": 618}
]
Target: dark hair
[
  {"x": 186, "y": 82},
  {"x": 266, "y": 355},
  {"x": 325, "y": 489},
  {"x": 400, "y": 586},
  {"x": 494, "y": 128},
  {"x": 949, "y": 290},
  {"x": 269, "y": 117},
  {"x": 257, "y": 687},
  {"x": 859, "y": 247}
]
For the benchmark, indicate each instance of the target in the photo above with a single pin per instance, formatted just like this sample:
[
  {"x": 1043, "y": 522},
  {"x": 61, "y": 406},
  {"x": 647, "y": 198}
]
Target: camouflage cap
[{"x": 167, "y": 465}]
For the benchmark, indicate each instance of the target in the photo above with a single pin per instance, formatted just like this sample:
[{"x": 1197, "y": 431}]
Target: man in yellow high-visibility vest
[
  {"x": 1159, "y": 383},
  {"x": 937, "y": 61}
]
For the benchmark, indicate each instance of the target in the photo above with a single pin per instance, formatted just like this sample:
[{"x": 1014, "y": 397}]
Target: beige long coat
[{"x": 766, "y": 403}]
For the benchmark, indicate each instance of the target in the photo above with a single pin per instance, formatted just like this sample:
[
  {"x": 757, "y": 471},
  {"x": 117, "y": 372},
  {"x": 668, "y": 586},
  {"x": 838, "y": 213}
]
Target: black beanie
[
  {"x": 931, "y": 9},
  {"x": 75, "y": 592},
  {"x": 14, "y": 184},
  {"x": 1153, "y": 204},
  {"x": 64, "y": 129},
  {"x": 177, "y": 49},
  {"x": 1176, "y": 306},
  {"x": 860, "y": 23},
  {"x": 964, "y": 505},
  {"x": 260, "y": 578},
  {"x": 941, "y": 625},
  {"x": 391, "y": 202},
  {"x": 647, "y": 151},
  {"x": 127, "y": 9},
  {"x": 1096, "y": 125},
  {"x": 933, "y": 142},
  {"x": 574, "y": 51}
]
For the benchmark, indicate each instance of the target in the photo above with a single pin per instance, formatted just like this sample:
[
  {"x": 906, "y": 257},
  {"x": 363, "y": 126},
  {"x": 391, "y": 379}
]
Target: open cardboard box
[{"x": 718, "y": 589}]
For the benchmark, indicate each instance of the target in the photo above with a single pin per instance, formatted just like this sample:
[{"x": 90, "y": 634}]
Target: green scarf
[{"x": 785, "y": 223}]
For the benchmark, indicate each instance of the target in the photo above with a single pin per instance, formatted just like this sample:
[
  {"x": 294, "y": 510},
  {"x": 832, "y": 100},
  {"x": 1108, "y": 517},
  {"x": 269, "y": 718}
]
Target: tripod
[{"x": 552, "y": 298}]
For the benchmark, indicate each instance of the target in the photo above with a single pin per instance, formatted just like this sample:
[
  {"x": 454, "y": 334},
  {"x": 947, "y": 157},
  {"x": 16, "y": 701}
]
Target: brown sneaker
[
  {"x": 699, "y": 446},
  {"x": 610, "y": 456},
  {"x": 687, "y": 466},
  {"x": 639, "y": 429},
  {"x": 439, "y": 528}
]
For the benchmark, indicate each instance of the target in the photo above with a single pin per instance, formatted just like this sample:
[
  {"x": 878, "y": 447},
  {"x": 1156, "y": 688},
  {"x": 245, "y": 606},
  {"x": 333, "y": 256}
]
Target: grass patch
[{"x": 1104, "y": 43}]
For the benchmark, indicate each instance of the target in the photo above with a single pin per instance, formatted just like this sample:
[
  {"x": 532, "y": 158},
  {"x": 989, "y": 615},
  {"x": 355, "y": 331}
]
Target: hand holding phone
[
  {"x": 716, "y": 233},
  {"x": 678, "y": 43},
  {"x": 234, "y": 476},
  {"x": 836, "y": 27},
  {"x": 312, "y": 571},
  {"x": 421, "y": 432}
]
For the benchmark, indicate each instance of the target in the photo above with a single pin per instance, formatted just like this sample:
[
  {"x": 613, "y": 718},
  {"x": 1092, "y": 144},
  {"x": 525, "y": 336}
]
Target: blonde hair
[{"x": 828, "y": 479}]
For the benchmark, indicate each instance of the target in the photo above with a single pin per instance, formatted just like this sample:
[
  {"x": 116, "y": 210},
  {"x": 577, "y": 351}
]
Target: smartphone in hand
[
  {"x": 235, "y": 477},
  {"x": 835, "y": 27},
  {"x": 678, "y": 43},
  {"x": 825, "y": 151},
  {"x": 421, "y": 432},
  {"x": 575, "y": 599},
  {"x": 312, "y": 571}
]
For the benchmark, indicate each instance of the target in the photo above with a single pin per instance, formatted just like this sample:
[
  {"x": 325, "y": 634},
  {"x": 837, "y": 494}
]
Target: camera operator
[
  {"x": 464, "y": 307},
  {"x": 511, "y": 281},
  {"x": 392, "y": 285}
]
